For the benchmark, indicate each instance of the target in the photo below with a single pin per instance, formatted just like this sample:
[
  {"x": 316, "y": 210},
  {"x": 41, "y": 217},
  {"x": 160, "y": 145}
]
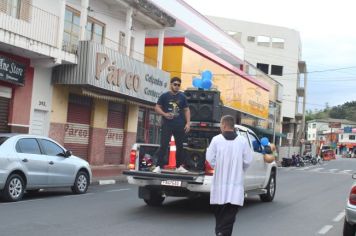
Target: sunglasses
[{"x": 175, "y": 84}]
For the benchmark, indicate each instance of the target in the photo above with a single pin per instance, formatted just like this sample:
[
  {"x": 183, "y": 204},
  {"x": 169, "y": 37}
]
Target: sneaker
[
  {"x": 181, "y": 169},
  {"x": 157, "y": 169}
]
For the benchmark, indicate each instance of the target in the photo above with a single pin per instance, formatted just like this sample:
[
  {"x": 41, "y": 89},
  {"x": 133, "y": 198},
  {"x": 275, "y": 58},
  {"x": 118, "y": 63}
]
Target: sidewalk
[{"x": 108, "y": 174}]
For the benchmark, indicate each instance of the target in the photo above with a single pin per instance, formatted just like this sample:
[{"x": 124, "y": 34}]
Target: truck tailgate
[{"x": 193, "y": 177}]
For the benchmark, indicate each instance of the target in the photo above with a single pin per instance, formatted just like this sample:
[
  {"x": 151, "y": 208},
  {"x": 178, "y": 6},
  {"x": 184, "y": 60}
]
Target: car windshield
[{"x": 3, "y": 139}]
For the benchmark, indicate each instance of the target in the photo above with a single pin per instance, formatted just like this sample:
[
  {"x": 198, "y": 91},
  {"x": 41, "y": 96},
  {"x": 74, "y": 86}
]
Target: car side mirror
[
  {"x": 354, "y": 175},
  {"x": 68, "y": 153}
]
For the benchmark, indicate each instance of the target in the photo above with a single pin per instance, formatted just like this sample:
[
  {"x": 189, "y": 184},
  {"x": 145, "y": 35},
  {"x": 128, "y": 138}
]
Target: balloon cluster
[{"x": 205, "y": 81}]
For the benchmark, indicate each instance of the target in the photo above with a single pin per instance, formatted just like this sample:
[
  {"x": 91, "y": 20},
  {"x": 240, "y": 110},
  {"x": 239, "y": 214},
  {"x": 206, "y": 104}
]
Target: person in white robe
[{"x": 230, "y": 155}]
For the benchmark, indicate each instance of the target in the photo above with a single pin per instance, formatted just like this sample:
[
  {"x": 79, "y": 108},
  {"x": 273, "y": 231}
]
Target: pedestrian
[
  {"x": 173, "y": 107},
  {"x": 230, "y": 155}
]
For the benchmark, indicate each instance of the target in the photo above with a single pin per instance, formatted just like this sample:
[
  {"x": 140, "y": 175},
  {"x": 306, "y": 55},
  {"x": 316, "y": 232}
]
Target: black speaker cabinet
[
  {"x": 204, "y": 105},
  {"x": 194, "y": 159}
]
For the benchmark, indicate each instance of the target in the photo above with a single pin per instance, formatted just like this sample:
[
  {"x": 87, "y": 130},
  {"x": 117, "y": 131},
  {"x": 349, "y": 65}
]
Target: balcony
[
  {"x": 30, "y": 27},
  {"x": 301, "y": 91}
]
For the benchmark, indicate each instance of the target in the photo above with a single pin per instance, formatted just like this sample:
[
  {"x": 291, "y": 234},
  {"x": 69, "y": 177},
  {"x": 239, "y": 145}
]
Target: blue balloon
[
  {"x": 264, "y": 141},
  {"x": 207, "y": 75},
  {"x": 197, "y": 83},
  {"x": 206, "y": 84}
]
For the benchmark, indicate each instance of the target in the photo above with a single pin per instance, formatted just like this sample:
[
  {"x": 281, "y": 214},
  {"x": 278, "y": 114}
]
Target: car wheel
[
  {"x": 81, "y": 183},
  {"x": 271, "y": 189},
  {"x": 155, "y": 199},
  {"x": 14, "y": 188},
  {"x": 349, "y": 230}
]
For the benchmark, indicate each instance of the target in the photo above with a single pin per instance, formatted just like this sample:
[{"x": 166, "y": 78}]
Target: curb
[{"x": 108, "y": 180}]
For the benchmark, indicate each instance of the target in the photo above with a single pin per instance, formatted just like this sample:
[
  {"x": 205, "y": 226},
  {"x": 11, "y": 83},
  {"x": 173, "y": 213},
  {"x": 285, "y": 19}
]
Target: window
[
  {"x": 263, "y": 67},
  {"x": 28, "y": 145},
  {"x": 94, "y": 31},
  {"x": 276, "y": 70},
  {"x": 244, "y": 134},
  {"x": 314, "y": 136},
  {"x": 255, "y": 143},
  {"x": 277, "y": 43},
  {"x": 132, "y": 47},
  {"x": 314, "y": 125},
  {"x": 263, "y": 41},
  {"x": 71, "y": 30},
  {"x": 122, "y": 47},
  {"x": 51, "y": 149},
  {"x": 13, "y": 8},
  {"x": 309, "y": 136},
  {"x": 352, "y": 137},
  {"x": 342, "y": 136},
  {"x": 251, "y": 39}
]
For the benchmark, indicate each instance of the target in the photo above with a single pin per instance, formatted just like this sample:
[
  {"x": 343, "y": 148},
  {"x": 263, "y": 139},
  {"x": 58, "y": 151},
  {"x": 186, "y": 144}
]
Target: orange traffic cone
[{"x": 172, "y": 154}]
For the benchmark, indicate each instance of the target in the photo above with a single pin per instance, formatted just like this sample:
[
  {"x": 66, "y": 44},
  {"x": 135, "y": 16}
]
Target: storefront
[
  {"x": 100, "y": 104},
  {"x": 16, "y": 79},
  {"x": 248, "y": 97}
]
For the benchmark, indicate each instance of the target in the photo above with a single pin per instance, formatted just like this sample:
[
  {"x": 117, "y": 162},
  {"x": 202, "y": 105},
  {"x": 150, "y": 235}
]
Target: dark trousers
[
  {"x": 179, "y": 136},
  {"x": 225, "y": 216}
]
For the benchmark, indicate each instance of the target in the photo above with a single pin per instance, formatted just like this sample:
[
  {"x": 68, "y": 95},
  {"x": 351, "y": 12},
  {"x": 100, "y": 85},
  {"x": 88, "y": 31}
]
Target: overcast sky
[{"x": 328, "y": 33}]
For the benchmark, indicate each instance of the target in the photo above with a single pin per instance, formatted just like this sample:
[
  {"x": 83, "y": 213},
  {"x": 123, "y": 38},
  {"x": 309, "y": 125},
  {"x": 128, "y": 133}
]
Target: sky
[{"x": 328, "y": 33}]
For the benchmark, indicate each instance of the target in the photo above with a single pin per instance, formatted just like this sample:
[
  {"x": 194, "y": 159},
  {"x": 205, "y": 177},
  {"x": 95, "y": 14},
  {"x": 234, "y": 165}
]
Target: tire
[
  {"x": 14, "y": 188},
  {"x": 81, "y": 183},
  {"x": 156, "y": 199},
  {"x": 349, "y": 230},
  {"x": 271, "y": 189}
]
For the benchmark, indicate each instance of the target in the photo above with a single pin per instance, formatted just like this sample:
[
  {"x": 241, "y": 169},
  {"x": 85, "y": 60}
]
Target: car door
[
  {"x": 259, "y": 166},
  {"x": 250, "y": 176},
  {"x": 34, "y": 163},
  {"x": 61, "y": 171}
]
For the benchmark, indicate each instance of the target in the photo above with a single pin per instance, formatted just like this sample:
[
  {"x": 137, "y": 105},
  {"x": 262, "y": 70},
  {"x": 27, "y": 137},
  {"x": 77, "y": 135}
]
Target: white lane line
[
  {"x": 339, "y": 217},
  {"x": 333, "y": 170},
  {"x": 78, "y": 195},
  {"x": 117, "y": 190},
  {"x": 325, "y": 229},
  {"x": 346, "y": 171},
  {"x": 317, "y": 169}
]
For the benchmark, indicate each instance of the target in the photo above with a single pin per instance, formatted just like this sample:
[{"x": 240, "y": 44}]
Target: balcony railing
[
  {"x": 73, "y": 48},
  {"x": 30, "y": 22}
]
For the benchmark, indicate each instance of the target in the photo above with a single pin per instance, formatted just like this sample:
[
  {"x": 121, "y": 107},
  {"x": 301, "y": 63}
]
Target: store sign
[
  {"x": 76, "y": 133},
  {"x": 11, "y": 71}
]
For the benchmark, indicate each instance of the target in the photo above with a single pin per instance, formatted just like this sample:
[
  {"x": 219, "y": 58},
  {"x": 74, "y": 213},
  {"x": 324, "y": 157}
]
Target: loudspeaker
[
  {"x": 194, "y": 158},
  {"x": 204, "y": 105}
]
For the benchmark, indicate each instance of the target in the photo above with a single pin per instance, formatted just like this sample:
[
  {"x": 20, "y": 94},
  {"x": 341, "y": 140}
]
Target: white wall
[
  {"x": 287, "y": 57},
  {"x": 41, "y": 96}
]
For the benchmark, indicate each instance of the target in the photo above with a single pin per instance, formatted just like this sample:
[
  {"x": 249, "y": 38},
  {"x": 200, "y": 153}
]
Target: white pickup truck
[{"x": 260, "y": 177}]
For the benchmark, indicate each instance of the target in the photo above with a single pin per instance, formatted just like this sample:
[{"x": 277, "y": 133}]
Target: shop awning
[{"x": 262, "y": 131}]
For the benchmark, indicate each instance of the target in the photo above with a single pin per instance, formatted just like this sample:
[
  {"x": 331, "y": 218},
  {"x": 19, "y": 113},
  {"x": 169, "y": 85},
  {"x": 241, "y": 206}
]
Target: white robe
[{"x": 229, "y": 158}]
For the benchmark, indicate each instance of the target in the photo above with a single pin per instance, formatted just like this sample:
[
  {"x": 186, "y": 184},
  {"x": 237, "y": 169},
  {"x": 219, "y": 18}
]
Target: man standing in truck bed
[
  {"x": 229, "y": 155},
  {"x": 173, "y": 107}
]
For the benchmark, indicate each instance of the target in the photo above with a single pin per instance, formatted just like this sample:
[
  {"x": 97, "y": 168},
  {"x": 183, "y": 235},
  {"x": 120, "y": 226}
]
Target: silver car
[
  {"x": 31, "y": 162},
  {"x": 350, "y": 212}
]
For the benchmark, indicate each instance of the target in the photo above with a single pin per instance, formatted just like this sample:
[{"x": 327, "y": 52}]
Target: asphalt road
[{"x": 309, "y": 201}]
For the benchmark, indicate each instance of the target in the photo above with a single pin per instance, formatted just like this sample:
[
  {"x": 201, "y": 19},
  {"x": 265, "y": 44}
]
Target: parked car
[
  {"x": 31, "y": 162},
  {"x": 350, "y": 212}
]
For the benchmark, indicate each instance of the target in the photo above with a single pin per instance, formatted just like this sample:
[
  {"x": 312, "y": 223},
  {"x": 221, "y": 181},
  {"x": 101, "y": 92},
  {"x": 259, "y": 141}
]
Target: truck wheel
[
  {"x": 271, "y": 189},
  {"x": 155, "y": 199},
  {"x": 349, "y": 230}
]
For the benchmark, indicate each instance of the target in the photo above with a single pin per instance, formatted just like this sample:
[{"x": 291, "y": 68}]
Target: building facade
[{"x": 277, "y": 52}]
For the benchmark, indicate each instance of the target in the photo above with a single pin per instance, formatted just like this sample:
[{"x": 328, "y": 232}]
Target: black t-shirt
[{"x": 173, "y": 103}]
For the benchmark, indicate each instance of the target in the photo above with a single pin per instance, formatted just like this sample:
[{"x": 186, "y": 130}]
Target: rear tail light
[
  {"x": 132, "y": 159},
  {"x": 208, "y": 169},
  {"x": 352, "y": 198}
]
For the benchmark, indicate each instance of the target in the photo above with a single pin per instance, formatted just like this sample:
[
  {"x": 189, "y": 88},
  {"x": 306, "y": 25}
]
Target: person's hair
[
  {"x": 174, "y": 79},
  {"x": 229, "y": 121}
]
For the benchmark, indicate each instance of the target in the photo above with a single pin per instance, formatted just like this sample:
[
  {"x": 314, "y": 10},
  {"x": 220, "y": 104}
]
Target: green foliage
[{"x": 345, "y": 111}]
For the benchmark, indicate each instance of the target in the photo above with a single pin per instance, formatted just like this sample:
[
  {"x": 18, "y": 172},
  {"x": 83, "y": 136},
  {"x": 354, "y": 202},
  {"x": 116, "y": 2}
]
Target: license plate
[{"x": 175, "y": 183}]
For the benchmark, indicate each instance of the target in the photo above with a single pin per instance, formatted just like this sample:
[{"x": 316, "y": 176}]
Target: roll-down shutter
[
  {"x": 4, "y": 114},
  {"x": 114, "y": 138},
  {"x": 76, "y": 136}
]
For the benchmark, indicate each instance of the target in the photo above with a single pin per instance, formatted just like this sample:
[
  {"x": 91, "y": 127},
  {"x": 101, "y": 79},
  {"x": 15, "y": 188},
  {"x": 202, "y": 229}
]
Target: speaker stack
[{"x": 204, "y": 105}]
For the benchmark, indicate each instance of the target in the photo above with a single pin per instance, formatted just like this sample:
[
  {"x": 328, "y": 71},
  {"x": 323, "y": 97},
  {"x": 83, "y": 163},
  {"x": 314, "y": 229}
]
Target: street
[{"x": 309, "y": 201}]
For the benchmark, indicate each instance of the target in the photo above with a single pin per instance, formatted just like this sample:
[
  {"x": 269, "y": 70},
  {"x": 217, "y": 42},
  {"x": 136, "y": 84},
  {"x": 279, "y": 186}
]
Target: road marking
[
  {"x": 333, "y": 170},
  {"x": 78, "y": 195},
  {"x": 325, "y": 229},
  {"x": 107, "y": 181},
  {"x": 316, "y": 169},
  {"x": 339, "y": 217},
  {"x": 346, "y": 171},
  {"x": 117, "y": 190}
]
